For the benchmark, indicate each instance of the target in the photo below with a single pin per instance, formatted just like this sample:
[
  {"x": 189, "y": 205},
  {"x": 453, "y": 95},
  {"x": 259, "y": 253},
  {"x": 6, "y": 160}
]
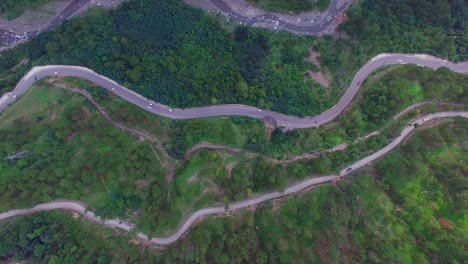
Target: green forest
[
  {"x": 407, "y": 208},
  {"x": 426, "y": 26},
  {"x": 184, "y": 58},
  {"x": 291, "y": 5}
]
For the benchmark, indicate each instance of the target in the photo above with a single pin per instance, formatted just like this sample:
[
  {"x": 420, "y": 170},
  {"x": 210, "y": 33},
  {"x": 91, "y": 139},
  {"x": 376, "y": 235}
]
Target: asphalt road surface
[
  {"x": 282, "y": 120},
  {"x": 80, "y": 208},
  {"x": 336, "y": 7},
  {"x": 8, "y": 38}
]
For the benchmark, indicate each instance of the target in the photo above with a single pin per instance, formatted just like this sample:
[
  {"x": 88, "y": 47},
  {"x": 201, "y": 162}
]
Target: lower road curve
[
  {"x": 282, "y": 120},
  {"x": 80, "y": 208}
]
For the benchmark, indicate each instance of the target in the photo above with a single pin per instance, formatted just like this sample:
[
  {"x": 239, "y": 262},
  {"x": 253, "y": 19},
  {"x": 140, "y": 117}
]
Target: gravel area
[{"x": 34, "y": 19}]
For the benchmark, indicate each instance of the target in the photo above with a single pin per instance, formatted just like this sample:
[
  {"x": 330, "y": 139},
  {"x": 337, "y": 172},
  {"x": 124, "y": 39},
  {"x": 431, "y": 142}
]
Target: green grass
[
  {"x": 74, "y": 148},
  {"x": 383, "y": 215},
  {"x": 33, "y": 102},
  {"x": 74, "y": 152},
  {"x": 385, "y": 220}
]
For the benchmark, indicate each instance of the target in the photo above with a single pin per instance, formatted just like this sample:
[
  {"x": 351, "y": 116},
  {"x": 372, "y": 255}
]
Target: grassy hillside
[
  {"x": 409, "y": 208},
  {"x": 75, "y": 153}
]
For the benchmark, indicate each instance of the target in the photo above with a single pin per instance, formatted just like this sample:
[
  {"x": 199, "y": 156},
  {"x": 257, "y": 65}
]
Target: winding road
[
  {"x": 282, "y": 120},
  {"x": 222, "y": 110},
  {"x": 289, "y": 122},
  {"x": 80, "y": 208},
  {"x": 335, "y": 8}
]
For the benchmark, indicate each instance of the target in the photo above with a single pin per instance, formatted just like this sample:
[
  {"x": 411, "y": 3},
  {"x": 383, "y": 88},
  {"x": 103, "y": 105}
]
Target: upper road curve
[
  {"x": 9, "y": 38},
  {"x": 282, "y": 120},
  {"x": 335, "y": 8}
]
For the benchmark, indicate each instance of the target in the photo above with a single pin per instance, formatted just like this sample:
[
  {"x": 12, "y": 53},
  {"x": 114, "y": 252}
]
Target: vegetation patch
[
  {"x": 291, "y": 5},
  {"x": 11, "y": 9}
]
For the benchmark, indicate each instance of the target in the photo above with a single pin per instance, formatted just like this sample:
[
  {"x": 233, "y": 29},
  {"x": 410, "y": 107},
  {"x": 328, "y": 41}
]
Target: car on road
[
  {"x": 399, "y": 61},
  {"x": 259, "y": 110},
  {"x": 56, "y": 73},
  {"x": 113, "y": 89},
  {"x": 149, "y": 107},
  {"x": 170, "y": 110},
  {"x": 349, "y": 169}
]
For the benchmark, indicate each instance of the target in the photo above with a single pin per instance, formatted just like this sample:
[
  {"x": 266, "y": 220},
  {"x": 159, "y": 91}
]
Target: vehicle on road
[{"x": 349, "y": 169}]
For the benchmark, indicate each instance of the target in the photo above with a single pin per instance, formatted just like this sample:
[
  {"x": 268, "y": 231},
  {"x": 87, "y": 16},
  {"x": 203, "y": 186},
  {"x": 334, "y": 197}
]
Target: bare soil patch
[
  {"x": 22, "y": 62},
  {"x": 193, "y": 178},
  {"x": 86, "y": 110},
  {"x": 142, "y": 183},
  {"x": 229, "y": 168},
  {"x": 53, "y": 116},
  {"x": 317, "y": 76},
  {"x": 445, "y": 223},
  {"x": 70, "y": 137}
]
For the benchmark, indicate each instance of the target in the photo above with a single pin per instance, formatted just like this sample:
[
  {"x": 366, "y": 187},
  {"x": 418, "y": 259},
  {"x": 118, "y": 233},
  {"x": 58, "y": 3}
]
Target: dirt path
[
  {"x": 140, "y": 133},
  {"x": 78, "y": 207}
]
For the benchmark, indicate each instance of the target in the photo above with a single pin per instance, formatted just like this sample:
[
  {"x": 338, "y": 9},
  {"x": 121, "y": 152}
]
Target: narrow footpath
[{"x": 295, "y": 188}]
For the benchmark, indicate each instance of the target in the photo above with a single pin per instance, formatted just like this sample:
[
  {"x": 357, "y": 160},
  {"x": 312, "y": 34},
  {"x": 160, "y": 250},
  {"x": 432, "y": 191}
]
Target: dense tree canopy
[
  {"x": 428, "y": 26},
  {"x": 291, "y": 5},
  {"x": 181, "y": 57}
]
